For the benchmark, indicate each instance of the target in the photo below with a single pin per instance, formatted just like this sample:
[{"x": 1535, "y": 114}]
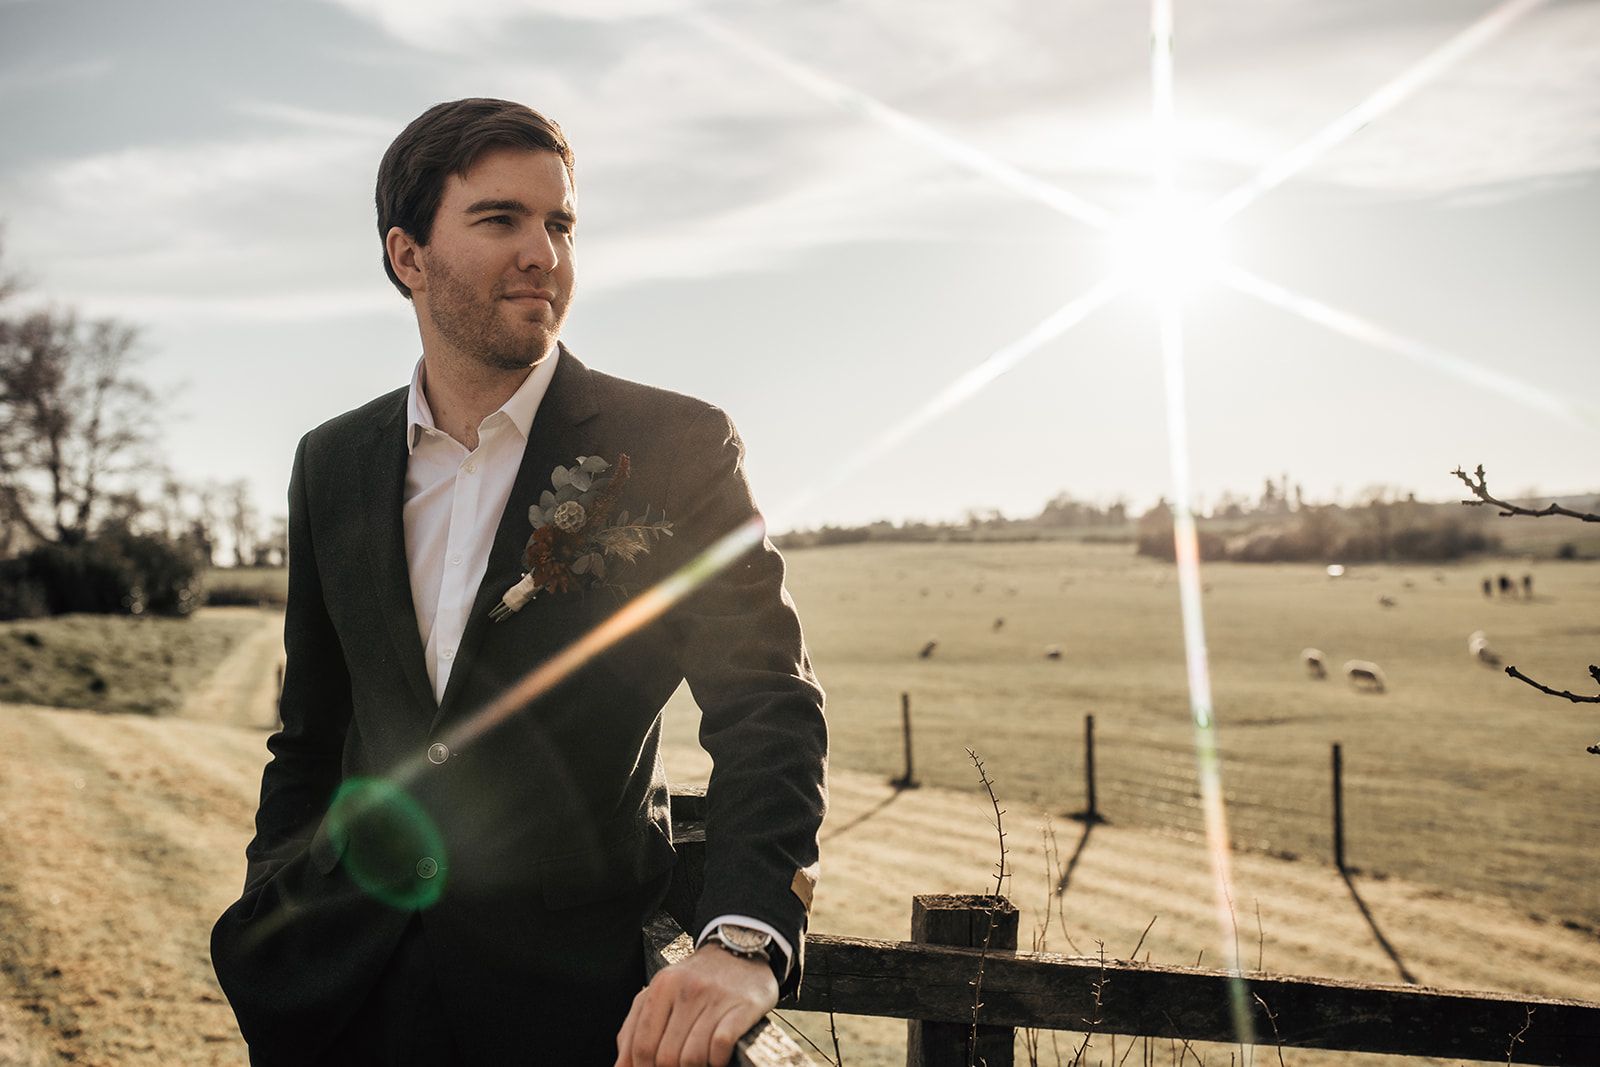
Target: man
[{"x": 481, "y": 899}]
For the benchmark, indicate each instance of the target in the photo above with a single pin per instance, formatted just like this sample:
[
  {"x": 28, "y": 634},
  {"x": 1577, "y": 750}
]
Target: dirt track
[{"x": 122, "y": 837}]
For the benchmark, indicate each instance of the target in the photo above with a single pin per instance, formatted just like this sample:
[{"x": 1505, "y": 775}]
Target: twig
[
  {"x": 1277, "y": 1038},
  {"x": 999, "y": 826},
  {"x": 996, "y": 898},
  {"x": 1134, "y": 956},
  {"x": 798, "y": 1032},
  {"x": 1099, "y": 988},
  {"x": 1516, "y": 1038},
  {"x": 1594, "y": 671},
  {"x": 1480, "y": 489},
  {"x": 1261, "y": 939}
]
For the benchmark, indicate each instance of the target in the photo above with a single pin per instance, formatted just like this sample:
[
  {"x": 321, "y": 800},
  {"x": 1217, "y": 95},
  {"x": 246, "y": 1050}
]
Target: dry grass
[{"x": 1458, "y": 777}]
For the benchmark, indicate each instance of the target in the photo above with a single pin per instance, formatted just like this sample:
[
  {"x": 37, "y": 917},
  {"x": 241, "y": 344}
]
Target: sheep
[
  {"x": 1052, "y": 652},
  {"x": 1365, "y": 675},
  {"x": 999, "y": 621},
  {"x": 1478, "y": 647},
  {"x": 927, "y": 649},
  {"x": 1386, "y": 601},
  {"x": 1316, "y": 663}
]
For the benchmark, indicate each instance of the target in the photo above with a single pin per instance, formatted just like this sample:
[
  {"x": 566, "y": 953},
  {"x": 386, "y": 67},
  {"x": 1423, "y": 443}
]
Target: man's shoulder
[
  {"x": 624, "y": 398},
  {"x": 360, "y": 420}
]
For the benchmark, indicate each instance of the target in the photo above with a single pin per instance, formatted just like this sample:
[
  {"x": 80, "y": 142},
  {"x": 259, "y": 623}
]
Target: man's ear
[{"x": 405, "y": 256}]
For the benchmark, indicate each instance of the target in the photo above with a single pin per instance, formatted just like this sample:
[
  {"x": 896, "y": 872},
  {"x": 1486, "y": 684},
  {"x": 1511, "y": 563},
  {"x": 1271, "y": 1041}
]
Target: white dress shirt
[{"x": 453, "y": 502}]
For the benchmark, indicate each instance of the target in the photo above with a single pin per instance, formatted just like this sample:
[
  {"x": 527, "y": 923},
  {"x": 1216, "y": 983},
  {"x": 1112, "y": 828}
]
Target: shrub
[{"x": 116, "y": 573}]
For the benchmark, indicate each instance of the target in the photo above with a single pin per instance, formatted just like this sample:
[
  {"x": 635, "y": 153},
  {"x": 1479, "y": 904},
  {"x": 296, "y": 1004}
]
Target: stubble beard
[{"x": 474, "y": 327}]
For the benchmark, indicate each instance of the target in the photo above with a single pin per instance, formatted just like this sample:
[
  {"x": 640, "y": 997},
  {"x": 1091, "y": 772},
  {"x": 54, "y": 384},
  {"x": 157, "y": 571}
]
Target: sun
[{"x": 1167, "y": 250}]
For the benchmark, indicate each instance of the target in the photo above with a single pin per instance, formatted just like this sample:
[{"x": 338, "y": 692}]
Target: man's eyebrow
[{"x": 517, "y": 207}]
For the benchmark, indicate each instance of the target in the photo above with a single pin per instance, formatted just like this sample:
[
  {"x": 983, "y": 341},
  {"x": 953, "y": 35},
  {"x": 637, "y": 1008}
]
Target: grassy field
[
  {"x": 1457, "y": 776},
  {"x": 113, "y": 663}
]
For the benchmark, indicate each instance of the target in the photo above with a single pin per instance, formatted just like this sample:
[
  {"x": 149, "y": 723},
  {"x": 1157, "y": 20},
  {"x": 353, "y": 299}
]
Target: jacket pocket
[{"x": 576, "y": 878}]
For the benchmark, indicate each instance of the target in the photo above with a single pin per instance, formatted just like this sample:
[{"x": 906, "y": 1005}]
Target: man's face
[{"x": 498, "y": 263}]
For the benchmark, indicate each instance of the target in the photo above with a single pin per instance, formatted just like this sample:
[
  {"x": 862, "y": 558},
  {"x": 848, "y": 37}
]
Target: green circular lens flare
[{"x": 394, "y": 851}]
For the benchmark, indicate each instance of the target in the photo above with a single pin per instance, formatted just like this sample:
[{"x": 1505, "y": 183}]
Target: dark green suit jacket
[{"x": 565, "y": 803}]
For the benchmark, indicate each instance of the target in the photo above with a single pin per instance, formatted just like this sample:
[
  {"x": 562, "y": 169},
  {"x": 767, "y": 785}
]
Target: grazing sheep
[
  {"x": 1052, "y": 652},
  {"x": 1478, "y": 646},
  {"x": 927, "y": 649},
  {"x": 1386, "y": 601},
  {"x": 1316, "y": 663},
  {"x": 1365, "y": 675},
  {"x": 999, "y": 622}
]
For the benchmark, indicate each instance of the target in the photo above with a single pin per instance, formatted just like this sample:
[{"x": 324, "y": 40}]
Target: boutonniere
[{"x": 574, "y": 533}]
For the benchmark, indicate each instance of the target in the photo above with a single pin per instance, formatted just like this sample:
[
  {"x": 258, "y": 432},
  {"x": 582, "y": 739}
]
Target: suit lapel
[
  {"x": 383, "y": 497},
  {"x": 556, "y": 438}
]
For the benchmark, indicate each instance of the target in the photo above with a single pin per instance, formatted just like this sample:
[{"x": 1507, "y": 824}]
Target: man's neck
[{"x": 461, "y": 393}]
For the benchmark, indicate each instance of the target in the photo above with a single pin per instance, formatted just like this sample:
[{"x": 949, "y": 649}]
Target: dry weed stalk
[
  {"x": 1516, "y": 1038},
  {"x": 996, "y": 900},
  {"x": 1277, "y": 1038},
  {"x": 1100, "y": 983}
]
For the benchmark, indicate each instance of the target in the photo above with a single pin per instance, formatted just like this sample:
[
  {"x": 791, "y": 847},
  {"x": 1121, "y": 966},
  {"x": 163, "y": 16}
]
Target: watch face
[{"x": 743, "y": 938}]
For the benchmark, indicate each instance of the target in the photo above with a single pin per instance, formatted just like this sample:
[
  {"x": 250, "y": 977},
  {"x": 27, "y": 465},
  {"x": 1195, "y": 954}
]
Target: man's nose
[{"x": 539, "y": 252}]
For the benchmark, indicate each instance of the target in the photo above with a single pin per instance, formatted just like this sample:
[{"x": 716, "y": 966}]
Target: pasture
[{"x": 1458, "y": 777}]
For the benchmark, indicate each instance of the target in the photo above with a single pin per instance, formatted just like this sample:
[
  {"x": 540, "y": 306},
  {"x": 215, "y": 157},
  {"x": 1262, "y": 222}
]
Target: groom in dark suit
[{"x": 427, "y": 885}]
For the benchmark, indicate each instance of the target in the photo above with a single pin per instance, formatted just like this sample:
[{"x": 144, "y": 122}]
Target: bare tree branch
[
  {"x": 1574, "y": 697},
  {"x": 1480, "y": 489}
]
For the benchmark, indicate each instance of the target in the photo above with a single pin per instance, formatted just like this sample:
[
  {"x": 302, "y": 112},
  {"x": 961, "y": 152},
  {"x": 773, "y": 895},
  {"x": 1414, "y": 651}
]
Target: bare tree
[
  {"x": 73, "y": 417},
  {"x": 242, "y": 521},
  {"x": 1479, "y": 486},
  {"x": 73, "y": 420}
]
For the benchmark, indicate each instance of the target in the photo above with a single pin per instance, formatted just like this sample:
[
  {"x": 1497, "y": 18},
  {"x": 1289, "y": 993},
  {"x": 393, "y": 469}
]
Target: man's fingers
[
  {"x": 697, "y": 1047},
  {"x": 689, "y": 1007},
  {"x": 729, "y": 1029},
  {"x": 654, "y": 1009}
]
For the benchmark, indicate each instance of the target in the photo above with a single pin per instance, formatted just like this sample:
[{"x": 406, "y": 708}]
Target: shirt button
[
  {"x": 471, "y": 468},
  {"x": 438, "y": 752},
  {"x": 427, "y": 867},
  {"x": 449, "y": 653},
  {"x": 455, "y": 560}
]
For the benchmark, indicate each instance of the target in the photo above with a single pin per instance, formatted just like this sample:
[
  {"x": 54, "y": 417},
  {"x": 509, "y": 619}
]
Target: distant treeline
[{"x": 1280, "y": 526}]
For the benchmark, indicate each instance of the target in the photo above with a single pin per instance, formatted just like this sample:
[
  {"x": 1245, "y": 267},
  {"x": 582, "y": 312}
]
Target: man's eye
[
  {"x": 561, "y": 227},
  {"x": 498, "y": 220}
]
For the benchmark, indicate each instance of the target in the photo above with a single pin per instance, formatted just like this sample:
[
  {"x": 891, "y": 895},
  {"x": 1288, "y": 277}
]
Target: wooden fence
[{"x": 933, "y": 983}]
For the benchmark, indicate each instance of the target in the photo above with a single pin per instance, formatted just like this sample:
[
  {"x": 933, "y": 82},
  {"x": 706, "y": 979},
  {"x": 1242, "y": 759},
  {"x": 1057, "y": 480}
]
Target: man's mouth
[{"x": 529, "y": 296}]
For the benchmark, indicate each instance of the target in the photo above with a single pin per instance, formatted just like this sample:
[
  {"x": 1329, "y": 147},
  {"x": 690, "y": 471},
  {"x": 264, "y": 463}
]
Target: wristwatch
[
  {"x": 750, "y": 944},
  {"x": 742, "y": 941}
]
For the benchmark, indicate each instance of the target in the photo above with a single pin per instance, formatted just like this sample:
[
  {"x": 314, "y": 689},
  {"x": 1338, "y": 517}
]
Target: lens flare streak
[
  {"x": 952, "y": 149},
  {"x": 1186, "y": 550},
  {"x": 959, "y": 391},
  {"x": 1385, "y": 99},
  {"x": 1370, "y": 333}
]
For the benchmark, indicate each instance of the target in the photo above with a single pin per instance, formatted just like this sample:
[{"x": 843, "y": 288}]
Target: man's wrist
[{"x": 749, "y": 943}]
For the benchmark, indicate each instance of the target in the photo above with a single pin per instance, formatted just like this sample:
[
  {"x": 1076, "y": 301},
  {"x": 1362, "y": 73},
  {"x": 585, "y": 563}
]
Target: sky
[{"x": 826, "y": 217}]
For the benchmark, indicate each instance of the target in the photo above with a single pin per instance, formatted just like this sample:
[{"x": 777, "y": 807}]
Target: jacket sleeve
[
  {"x": 743, "y": 655},
  {"x": 314, "y": 707}
]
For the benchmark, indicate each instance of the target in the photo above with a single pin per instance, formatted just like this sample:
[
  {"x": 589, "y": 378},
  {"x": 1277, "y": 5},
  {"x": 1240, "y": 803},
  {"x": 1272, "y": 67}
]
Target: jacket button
[
  {"x": 427, "y": 867},
  {"x": 438, "y": 752}
]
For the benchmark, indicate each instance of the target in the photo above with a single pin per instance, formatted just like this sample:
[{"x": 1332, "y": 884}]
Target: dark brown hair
[{"x": 447, "y": 139}]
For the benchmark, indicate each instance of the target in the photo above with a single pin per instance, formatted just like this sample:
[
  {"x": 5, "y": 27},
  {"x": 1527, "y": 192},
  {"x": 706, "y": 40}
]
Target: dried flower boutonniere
[{"x": 574, "y": 533}]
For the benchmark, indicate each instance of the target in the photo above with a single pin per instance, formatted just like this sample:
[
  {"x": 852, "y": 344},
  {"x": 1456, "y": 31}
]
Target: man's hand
[{"x": 692, "y": 1013}]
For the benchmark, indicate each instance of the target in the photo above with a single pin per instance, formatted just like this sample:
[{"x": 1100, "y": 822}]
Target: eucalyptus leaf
[
  {"x": 547, "y": 499},
  {"x": 536, "y": 516},
  {"x": 599, "y": 565},
  {"x": 594, "y": 465},
  {"x": 587, "y": 500},
  {"x": 559, "y": 477},
  {"x": 582, "y": 479},
  {"x": 580, "y": 565},
  {"x": 567, "y": 492}
]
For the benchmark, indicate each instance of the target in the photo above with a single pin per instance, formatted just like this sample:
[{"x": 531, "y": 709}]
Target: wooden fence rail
[{"x": 1048, "y": 991}]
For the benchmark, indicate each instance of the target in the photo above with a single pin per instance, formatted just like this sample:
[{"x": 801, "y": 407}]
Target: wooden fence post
[
  {"x": 964, "y": 921},
  {"x": 1338, "y": 807},
  {"x": 909, "y": 779},
  {"x": 1090, "y": 815}
]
